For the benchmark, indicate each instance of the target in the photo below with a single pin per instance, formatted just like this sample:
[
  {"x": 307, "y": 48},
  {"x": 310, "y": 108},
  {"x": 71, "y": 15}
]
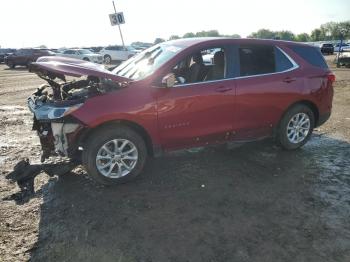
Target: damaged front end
[{"x": 53, "y": 103}]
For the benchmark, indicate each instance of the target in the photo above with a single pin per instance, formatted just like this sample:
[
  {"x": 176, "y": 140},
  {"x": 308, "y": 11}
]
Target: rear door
[
  {"x": 266, "y": 86},
  {"x": 121, "y": 53},
  {"x": 22, "y": 56},
  {"x": 69, "y": 53}
]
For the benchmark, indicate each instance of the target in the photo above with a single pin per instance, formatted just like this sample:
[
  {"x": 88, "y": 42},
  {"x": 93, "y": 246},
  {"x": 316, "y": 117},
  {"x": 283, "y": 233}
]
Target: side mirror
[{"x": 169, "y": 80}]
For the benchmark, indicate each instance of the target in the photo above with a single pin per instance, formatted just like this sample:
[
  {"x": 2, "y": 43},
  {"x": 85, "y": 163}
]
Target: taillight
[{"x": 331, "y": 78}]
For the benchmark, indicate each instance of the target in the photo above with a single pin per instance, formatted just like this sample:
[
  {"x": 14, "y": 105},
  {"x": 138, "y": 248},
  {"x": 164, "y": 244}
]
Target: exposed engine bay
[
  {"x": 55, "y": 92},
  {"x": 53, "y": 103}
]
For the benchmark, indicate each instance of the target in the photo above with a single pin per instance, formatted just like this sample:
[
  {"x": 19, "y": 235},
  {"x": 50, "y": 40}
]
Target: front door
[{"x": 200, "y": 112}]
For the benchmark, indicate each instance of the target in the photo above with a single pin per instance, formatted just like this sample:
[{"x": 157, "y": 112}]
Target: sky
[{"x": 83, "y": 23}]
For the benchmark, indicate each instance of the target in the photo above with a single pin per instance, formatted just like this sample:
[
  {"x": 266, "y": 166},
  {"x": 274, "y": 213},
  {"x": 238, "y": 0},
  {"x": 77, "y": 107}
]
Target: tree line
[{"x": 326, "y": 32}]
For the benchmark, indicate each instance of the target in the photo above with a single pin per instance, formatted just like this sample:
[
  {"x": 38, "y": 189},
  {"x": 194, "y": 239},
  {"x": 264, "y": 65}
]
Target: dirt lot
[{"x": 253, "y": 203}]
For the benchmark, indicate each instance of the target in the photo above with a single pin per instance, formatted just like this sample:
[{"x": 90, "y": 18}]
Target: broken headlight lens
[{"x": 59, "y": 112}]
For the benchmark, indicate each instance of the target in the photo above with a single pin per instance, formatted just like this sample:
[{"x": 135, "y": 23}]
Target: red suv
[
  {"x": 179, "y": 94},
  {"x": 25, "y": 56}
]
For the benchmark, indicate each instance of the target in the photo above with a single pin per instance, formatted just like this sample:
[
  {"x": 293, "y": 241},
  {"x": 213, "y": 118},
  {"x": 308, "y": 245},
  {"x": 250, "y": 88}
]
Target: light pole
[{"x": 342, "y": 32}]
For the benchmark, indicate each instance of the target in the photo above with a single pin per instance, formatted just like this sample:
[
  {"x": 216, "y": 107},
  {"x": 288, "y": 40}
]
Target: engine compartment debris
[{"x": 24, "y": 173}]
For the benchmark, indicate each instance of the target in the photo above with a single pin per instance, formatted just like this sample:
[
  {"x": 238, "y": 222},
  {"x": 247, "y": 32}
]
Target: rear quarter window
[
  {"x": 282, "y": 62},
  {"x": 310, "y": 54}
]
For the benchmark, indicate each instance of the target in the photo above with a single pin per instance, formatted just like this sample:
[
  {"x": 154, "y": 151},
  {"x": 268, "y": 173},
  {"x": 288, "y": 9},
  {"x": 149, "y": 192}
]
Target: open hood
[{"x": 61, "y": 66}]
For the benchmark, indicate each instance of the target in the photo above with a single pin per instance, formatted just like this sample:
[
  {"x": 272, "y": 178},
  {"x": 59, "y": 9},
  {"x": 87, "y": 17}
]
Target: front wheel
[
  {"x": 296, "y": 127},
  {"x": 11, "y": 64},
  {"x": 114, "y": 155}
]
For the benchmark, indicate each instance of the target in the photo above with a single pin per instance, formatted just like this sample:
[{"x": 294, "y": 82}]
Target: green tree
[
  {"x": 304, "y": 37},
  {"x": 263, "y": 33},
  {"x": 189, "y": 35},
  {"x": 316, "y": 35},
  {"x": 210, "y": 33},
  {"x": 174, "y": 37},
  {"x": 158, "y": 40},
  {"x": 235, "y": 36},
  {"x": 345, "y": 29},
  {"x": 285, "y": 35},
  {"x": 331, "y": 31}
]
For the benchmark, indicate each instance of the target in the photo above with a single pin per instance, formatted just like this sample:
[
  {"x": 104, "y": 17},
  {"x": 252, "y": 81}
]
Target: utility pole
[
  {"x": 339, "y": 50},
  {"x": 120, "y": 30}
]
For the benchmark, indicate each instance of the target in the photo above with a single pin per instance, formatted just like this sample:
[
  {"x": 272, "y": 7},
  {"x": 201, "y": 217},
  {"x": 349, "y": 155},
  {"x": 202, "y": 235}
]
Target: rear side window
[
  {"x": 311, "y": 54},
  {"x": 282, "y": 62},
  {"x": 256, "y": 60}
]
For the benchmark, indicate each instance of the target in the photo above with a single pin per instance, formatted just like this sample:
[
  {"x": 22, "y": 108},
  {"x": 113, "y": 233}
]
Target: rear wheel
[
  {"x": 296, "y": 127},
  {"x": 86, "y": 59},
  {"x": 28, "y": 63},
  {"x": 114, "y": 155}
]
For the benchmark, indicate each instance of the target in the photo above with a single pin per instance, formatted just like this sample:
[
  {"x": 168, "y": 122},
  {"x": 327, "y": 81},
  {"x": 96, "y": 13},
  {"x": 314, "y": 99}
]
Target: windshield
[
  {"x": 84, "y": 51},
  {"x": 146, "y": 62}
]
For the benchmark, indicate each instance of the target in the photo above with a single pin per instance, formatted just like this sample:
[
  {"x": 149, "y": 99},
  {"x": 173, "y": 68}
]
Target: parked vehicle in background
[
  {"x": 5, "y": 52},
  {"x": 25, "y": 56},
  {"x": 344, "y": 59},
  {"x": 327, "y": 49},
  {"x": 83, "y": 54},
  {"x": 96, "y": 49},
  {"x": 208, "y": 56},
  {"x": 140, "y": 46},
  {"x": 344, "y": 47},
  {"x": 117, "y": 53},
  {"x": 166, "y": 98}
]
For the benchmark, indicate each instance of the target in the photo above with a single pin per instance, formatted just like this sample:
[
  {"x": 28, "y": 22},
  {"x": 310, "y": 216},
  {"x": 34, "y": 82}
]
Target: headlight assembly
[{"x": 59, "y": 112}]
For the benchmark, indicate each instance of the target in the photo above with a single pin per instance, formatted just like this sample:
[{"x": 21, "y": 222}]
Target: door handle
[
  {"x": 289, "y": 80},
  {"x": 223, "y": 89}
]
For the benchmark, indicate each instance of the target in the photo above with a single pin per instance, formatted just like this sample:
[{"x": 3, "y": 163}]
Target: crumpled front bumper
[{"x": 58, "y": 136}]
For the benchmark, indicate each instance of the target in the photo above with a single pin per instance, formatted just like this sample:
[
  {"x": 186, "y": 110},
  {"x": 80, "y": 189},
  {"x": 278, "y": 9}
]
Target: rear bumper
[{"x": 323, "y": 118}]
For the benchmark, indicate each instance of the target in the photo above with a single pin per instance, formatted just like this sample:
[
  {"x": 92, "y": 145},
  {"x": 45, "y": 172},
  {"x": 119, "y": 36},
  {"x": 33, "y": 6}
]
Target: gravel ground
[{"x": 253, "y": 203}]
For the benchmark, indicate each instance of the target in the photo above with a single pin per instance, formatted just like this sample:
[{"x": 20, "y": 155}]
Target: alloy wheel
[
  {"x": 116, "y": 158},
  {"x": 298, "y": 128}
]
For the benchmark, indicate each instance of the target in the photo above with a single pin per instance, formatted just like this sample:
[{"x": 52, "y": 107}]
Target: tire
[
  {"x": 292, "y": 133},
  {"x": 11, "y": 65},
  {"x": 105, "y": 138},
  {"x": 86, "y": 59},
  {"x": 28, "y": 63},
  {"x": 107, "y": 59}
]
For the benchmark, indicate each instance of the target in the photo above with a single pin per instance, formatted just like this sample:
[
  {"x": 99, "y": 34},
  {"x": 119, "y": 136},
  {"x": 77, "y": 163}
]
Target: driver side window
[{"x": 201, "y": 66}]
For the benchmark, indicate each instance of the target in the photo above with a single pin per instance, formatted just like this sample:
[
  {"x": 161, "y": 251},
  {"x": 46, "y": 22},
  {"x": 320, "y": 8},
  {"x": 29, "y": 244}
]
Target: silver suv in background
[{"x": 117, "y": 53}]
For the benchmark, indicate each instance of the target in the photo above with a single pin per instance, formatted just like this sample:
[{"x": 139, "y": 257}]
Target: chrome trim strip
[{"x": 295, "y": 66}]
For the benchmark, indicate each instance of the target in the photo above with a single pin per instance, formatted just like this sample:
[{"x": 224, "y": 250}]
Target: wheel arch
[
  {"x": 134, "y": 126},
  {"x": 312, "y": 106},
  {"x": 308, "y": 103}
]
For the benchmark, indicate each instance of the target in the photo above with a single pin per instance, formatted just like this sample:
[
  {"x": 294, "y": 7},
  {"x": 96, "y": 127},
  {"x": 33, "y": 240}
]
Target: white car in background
[
  {"x": 83, "y": 54},
  {"x": 344, "y": 48},
  {"x": 117, "y": 53}
]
